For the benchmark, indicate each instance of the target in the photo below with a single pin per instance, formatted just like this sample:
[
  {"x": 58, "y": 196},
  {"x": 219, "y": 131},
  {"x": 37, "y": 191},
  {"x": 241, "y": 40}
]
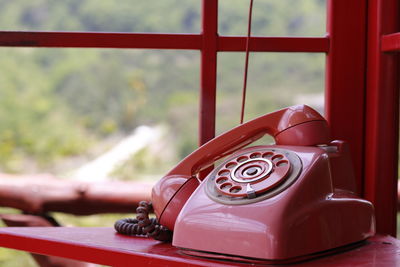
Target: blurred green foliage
[{"x": 58, "y": 103}]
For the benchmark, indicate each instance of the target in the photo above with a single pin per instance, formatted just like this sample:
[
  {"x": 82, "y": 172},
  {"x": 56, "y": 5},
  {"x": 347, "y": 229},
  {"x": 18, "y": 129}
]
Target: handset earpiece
[{"x": 296, "y": 125}]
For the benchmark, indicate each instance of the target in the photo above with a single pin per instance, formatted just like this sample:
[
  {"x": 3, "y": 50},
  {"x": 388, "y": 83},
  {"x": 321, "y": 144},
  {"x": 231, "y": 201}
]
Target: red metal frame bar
[
  {"x": 274, "y": 44},
  {"x": 163, "y": 41},
  {"x": 208, "y": 71},
  {"x": 382, "y": 114},
  {"x": 391, "y": 42},
  {"x": 100, "y": 40},
  {"x": 345, "y": 76}
]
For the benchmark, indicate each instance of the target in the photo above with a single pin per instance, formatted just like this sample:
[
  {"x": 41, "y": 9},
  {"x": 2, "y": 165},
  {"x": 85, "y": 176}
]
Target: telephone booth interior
[{"x": 361, "y": 106}]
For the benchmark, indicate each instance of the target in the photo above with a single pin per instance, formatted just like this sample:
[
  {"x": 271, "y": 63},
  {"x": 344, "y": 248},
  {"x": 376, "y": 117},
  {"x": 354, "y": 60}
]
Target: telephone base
[
  {"x": 310, "y": 215},
  {"x": 233, "y": 258}
]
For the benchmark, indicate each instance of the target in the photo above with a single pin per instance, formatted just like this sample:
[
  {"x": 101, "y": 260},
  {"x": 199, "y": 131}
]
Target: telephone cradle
[{"x": 290, "y": 201}]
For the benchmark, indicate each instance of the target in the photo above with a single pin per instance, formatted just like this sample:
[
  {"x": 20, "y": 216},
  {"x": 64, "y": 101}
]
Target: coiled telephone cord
[{"x": 143, "y": 225}]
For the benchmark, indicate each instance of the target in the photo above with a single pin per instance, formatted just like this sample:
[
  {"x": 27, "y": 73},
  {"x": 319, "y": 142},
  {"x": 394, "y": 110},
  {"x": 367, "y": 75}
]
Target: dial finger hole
[
  {"x": 223, "y": 172},
  {"x": 255, "y": 155},
  {"x": 225, "y": 186},
  {"x": 282, "y": 163},
  {"x": 241, "y": 159},
  {"x": 235, "y": 189},
  {"x": 230, "y": 165},
  {"x": 277, "y": 157},
  {"x": 221, "y": 180},
  {"x": 267, "y": 155}
]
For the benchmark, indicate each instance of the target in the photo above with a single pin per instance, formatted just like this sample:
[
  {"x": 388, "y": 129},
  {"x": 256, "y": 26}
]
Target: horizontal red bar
[
  {"x": 160, "y": 41},
  {"x": 390, "y": 42},
  {"x": 101, "y": 40},
  {"x": 274, "y": 44}
]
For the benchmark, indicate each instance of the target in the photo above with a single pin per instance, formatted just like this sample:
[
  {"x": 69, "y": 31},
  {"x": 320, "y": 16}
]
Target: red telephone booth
[{"x": 361, "y": 106}]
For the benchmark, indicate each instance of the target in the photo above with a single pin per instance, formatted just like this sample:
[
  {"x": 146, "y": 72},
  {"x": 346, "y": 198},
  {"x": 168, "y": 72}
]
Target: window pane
[
  {"x": 61, "y": 107},
  {"x": 273, "y": 18},
  {"x": 92, "y": 15},
  {"x": 275, "y": 81}
]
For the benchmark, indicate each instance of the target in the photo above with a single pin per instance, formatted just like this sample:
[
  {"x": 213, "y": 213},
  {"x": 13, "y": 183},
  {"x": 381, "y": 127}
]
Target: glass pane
[
  {"x": 63, "y": 107},
  {"x": 275, "y": 81},
  {"x": 273, "y": 18},
  {"x": 90, "y": 15}
]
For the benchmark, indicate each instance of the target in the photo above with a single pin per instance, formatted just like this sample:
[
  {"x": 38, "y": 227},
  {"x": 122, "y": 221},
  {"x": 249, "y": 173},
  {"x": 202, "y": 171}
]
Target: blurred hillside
[{"x": 59, "y": 106}]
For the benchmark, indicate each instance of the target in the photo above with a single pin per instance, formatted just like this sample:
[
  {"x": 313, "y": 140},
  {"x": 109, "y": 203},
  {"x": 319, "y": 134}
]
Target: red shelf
[{"x": 104, "y": 246}]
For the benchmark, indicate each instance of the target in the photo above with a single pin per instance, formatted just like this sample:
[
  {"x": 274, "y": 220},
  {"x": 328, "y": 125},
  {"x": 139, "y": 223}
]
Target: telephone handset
[
  {"x": 288, "y": 200},
  {"x": 297, "y": 125}
]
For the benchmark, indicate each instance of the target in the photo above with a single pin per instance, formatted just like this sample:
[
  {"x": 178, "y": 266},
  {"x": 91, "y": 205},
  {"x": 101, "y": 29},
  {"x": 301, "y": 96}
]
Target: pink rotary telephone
[{"x": 277, "y": 202}]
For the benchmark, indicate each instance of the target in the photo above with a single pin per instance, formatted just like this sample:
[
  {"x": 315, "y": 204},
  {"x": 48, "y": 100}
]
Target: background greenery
[
  {"x": 60, "y": 107},
  {"x": 56, "y": 104}
]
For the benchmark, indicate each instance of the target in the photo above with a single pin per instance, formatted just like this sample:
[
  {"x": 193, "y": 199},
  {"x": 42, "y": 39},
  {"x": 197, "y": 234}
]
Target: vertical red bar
[
  {"x": 345, "y": 76},
  {"x": 382, "y": 112},
  {"x": 208, "y": 75}
]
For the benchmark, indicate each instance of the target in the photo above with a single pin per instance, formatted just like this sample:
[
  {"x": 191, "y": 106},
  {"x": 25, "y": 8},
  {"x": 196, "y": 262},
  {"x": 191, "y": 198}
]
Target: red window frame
[{"x": 361, "y": 101}]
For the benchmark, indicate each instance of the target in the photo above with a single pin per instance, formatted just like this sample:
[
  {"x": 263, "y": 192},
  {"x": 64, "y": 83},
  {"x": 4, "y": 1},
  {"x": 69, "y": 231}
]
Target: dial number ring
[{"x": 261, "y": 173}]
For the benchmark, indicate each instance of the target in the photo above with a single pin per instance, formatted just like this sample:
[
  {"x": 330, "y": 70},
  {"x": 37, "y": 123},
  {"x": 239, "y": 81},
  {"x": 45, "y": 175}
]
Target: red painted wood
[
  {"x": 345, "y": 76},
  {"x": 208, "y": 74},
  {"x": 274, "y": 44},
  {"x": 382, "y": 112},
  {"x": 104, "y": 246},
  {"x": 100, "y": 40},
  {"x": 391, "y": 42},
  {"x": 97, "y": 245}
]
